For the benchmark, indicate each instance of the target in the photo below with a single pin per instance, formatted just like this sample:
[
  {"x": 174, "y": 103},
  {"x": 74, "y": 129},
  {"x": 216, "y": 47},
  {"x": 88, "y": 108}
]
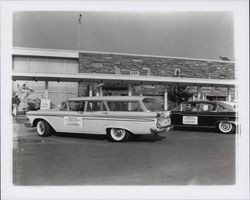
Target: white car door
[
  {"x": 70, "y": 120},
  {"x": 95, "y": 118}
]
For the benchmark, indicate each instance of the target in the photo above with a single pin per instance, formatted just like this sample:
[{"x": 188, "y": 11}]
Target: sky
[{"x": 205, "y": 35}]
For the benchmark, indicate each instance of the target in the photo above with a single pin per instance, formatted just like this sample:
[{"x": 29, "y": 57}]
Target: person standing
[{"x": 15, "y": 103}]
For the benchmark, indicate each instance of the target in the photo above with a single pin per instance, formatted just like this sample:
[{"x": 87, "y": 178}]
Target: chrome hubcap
[
  {"x": 225, "y": 126},
  {"x": 118, "y": 132},
  {"x": 40, "y": 127}
]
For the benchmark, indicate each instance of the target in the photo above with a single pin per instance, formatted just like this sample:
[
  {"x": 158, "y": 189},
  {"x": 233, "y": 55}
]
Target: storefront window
[{"x": 61, "y": 91}]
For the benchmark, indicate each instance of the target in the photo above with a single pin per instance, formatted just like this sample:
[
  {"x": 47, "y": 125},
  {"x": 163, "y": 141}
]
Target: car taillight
[
  {"x": 158, "y": 115},
  {"x": 164, "y": 114},
  {"x": 163, "y": 122}
]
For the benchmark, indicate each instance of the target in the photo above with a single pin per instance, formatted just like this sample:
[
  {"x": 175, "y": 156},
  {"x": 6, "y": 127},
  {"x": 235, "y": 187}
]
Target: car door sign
[
  {"x": 74, "y": 122},
  {"x": 193, "y": 120}
]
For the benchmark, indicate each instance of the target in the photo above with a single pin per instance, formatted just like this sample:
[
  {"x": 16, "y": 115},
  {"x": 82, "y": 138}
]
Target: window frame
[
  {"x": 68, "y": 106},
  {"x": 208, "y": 104},
  {"x": 140, "y": 104},
  {"x": 103, "y": 102}
]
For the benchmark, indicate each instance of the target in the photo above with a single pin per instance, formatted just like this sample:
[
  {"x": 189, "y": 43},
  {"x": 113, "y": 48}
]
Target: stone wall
[{"x": 159, "y": 66}]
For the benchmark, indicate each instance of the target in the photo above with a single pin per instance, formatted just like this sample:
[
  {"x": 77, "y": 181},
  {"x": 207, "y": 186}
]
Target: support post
[
  {"x": 91, "y": 89},
  {"x": 193, "y": 97},
  {"x": 101, "y": 92},
  {"x": 46, "y": 91},
  {"x": 198, "y": 92},
  {"x": 97, "y": 92},
  {"x": 129, "y": 90},
  {"x": 165, "y": 97},
  {"x": 129, "y": 94},
  {"x": 229, "y": 97}
]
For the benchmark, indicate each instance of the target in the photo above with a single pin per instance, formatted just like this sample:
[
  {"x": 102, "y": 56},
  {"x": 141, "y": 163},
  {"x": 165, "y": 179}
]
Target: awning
[{"x": 133, "y": 79}]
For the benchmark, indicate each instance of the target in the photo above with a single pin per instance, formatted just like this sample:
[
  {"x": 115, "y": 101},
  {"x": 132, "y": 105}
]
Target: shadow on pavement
[
  {"x": 195, "y": 129},
  {"x": 83, "y": 136},
  {"x": 146, "y": 138},
  {"x": 143, "y": 138}
]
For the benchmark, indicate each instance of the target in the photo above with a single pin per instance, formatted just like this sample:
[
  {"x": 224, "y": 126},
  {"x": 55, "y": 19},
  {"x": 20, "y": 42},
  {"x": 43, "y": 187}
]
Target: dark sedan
[{"x": 205, "y": 114}]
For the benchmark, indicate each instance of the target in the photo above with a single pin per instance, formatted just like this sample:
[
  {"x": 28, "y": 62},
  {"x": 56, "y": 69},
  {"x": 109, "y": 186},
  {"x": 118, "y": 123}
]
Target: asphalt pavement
[{"x": 177, "y": 158}]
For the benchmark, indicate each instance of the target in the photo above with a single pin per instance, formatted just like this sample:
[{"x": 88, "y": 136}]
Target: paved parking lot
[{"x": 178, "y": 158}]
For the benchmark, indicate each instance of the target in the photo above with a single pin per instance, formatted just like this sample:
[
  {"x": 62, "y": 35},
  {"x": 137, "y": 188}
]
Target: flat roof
[
  {"x": 110, "y": 78},
  {"x": 25, "y": 51},
  {"x": 58, "y": 53}
]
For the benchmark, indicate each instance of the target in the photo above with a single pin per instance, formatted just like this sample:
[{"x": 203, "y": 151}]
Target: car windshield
[{"x": 152, "y": 105}]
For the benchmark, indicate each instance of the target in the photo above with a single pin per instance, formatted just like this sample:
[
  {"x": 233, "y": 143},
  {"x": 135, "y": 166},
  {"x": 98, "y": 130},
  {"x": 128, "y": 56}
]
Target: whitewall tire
[
  {"x": 43, "y": 128},
  {"x": 226, "y": 127},
  {"x": 118, "y": 135}
]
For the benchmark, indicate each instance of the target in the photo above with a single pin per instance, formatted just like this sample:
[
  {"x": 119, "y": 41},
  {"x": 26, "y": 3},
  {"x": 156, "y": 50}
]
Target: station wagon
[
  {"x": 118, "y": 117},
  {"x": 205, "y": 114}
]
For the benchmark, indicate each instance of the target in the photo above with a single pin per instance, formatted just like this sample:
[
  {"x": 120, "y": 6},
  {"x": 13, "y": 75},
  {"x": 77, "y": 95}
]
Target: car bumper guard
[{"x": 160, "y": 130}]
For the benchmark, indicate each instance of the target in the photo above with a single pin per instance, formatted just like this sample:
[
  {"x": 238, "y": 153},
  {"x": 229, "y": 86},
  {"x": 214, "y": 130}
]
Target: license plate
[{"x": 190, "y": 120}]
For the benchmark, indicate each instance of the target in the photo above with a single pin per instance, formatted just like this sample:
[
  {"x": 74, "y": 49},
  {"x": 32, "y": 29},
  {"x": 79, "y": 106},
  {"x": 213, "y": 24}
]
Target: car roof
[
  {"x": 110, "y": 98},
  {"x": 213, "y": 102},
  {"x": 203, "y": 101}
]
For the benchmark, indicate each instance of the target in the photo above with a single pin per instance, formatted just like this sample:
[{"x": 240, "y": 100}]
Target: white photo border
[{"x": 241, "y": 27}]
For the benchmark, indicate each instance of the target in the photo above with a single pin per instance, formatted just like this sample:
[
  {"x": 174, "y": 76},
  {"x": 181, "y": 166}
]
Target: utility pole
[{"x": 79, "y": 22}]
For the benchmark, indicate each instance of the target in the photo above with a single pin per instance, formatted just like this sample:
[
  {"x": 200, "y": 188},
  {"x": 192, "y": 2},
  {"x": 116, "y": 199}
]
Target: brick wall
[{"x": 160, "y": 66}]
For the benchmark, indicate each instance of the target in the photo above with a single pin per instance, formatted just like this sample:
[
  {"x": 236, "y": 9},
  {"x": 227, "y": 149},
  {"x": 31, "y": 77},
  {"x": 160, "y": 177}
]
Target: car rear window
[{"x": 225, "y": 107}]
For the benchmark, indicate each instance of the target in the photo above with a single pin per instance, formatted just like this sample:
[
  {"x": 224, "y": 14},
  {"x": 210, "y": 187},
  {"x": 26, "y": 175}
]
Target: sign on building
[{"x": 134, "y": 73}]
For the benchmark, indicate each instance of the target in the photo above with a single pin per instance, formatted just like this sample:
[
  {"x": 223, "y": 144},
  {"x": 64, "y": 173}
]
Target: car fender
[
  {"x": 41, "y": 118},
  {"x": 235, "y": 123}
]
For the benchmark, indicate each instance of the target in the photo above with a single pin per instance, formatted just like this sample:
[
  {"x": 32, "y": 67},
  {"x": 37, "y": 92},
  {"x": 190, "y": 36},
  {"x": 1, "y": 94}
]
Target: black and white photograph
[{"x": 125, "y": 100}]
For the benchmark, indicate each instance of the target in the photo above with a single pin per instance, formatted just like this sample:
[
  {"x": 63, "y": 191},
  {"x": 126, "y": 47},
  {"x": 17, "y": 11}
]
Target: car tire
[
  {"x": 226, "y": 127},
  {"x": 118, "y": 135},
  {"x": 43, "y": 128}
]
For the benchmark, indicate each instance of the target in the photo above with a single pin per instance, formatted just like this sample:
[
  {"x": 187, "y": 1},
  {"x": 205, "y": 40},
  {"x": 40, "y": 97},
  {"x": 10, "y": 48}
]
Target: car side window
[
  {"x": 124, "y": 106},
  {"x": 76, "y": 105},
  {"x": 188, "y": 107},
  {"x": 95, "y": 106},
  {"x": 205, "y": 107},
  {"x": 63, "y": 105}
]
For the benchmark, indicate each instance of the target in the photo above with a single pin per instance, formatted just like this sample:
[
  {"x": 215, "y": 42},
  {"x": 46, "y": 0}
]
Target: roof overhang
[
  {"x": 95, "y": 77},
  {"x": 58, "y": 53}
]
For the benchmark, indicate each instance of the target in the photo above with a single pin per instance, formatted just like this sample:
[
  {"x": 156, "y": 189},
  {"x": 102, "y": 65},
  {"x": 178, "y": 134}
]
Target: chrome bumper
[{"x": 160, "y": 130}]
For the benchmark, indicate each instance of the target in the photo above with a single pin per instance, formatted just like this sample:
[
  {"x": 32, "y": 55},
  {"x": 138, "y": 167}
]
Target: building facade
[
  {"x": 141, "y": 65},
  {"x": 60, "y": 74}
]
